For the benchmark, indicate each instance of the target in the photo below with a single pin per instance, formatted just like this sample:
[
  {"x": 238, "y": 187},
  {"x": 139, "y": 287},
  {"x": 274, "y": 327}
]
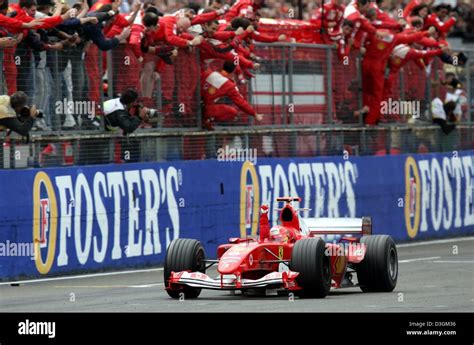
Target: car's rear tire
[
  {"x": 184, "y": 254},
  {"x": 310, "y": 260},
  {"x": 378, "y": 271}
]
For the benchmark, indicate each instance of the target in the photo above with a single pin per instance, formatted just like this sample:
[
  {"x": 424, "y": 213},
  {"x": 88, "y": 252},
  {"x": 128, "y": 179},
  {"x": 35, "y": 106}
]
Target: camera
[
  {"x": 150, "y": 112},
  {"x": 25, "y": 112}
]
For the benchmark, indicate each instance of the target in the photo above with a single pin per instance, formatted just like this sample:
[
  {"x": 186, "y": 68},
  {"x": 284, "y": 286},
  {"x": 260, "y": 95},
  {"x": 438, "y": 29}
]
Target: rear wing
[
  {"x": 288, "y": 199},
  {"x": 339, "y": 226}
]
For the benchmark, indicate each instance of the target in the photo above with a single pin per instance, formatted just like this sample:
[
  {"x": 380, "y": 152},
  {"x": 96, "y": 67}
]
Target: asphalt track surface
[{"x": 431, "y": 279}]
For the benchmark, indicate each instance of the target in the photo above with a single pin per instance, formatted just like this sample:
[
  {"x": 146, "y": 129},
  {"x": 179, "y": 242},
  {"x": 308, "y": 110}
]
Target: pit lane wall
[{"x": 83, "y": 219}]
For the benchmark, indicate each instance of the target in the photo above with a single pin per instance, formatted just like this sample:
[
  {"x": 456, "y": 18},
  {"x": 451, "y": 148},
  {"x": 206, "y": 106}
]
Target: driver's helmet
[{"x": 278, "y": 234}]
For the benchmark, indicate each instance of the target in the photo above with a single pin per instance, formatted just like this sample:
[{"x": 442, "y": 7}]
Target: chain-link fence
[
  {"x": 174, "y": 89},
  {"x": 292, "y": 87},
  {"x": 166, "y": 145}
]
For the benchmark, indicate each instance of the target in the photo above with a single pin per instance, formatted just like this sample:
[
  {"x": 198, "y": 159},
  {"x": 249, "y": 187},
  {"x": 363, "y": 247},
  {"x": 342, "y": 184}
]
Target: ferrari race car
[{"x": 289, "y": 257}]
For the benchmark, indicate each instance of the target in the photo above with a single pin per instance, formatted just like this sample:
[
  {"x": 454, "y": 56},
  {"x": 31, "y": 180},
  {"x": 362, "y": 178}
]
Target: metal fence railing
[{"x": 167, "y": 145}]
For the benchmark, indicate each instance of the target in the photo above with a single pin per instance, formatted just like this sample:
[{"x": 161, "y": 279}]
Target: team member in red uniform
[
  {"x": 187, "y": 67},
  {"x": 419, "y": 11},
  {"x": 343, "y": 39},
  {"x": 213, "y": 48},
  {"x": 381, "y": 15},
  {"x": 126, "y": 65},
  {"x": 149, "y": 24},
  {"x": 400, "y": 56},
  {"x": 244, "y": 42},
  {"x": 243, "y": 8},
  {"x": 439, "y": 20},
  {"x": 371, "y": 15},
  {"x": 378, "y": 51},
  {"x": 9, "y": 45},
  {"x": 432, "y": 43},
  {"x": 354, "y": 12},
  {"x": 216, "y": 85},
  {"x": 172, "y": 31},
  {"x": 101, "y": 43},
  {"x": 13, "y": 24},
  {"x": 201, "y": 18},
  {"x": 329, "y": 18},
  {"x": 25, "y": 12},
  {"x": 414, "y": 3}
]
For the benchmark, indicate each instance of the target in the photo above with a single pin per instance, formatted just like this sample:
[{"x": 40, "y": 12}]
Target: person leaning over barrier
[
  {"x": 118, "y": 112},
  {"x": 15, "y": 115}
]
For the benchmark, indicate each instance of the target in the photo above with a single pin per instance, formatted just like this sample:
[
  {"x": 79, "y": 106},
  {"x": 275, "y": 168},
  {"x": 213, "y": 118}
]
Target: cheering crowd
[
  {"x": 149, "y": 40},
  {"x": 387, "y": 43}
]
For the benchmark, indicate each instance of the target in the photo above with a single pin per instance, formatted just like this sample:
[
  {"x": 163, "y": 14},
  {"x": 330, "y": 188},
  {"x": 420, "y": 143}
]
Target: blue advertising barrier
[{"x": 71, "y": 220}]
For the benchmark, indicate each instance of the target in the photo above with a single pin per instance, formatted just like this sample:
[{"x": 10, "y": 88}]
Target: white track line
[
  {"x": 454, "y": 261},
  {"x": 419, "y": 259},
  {"x": 146, "y": 285},
  {"x": 427, "y": 243},
  {"x": 91, "y": 275}
]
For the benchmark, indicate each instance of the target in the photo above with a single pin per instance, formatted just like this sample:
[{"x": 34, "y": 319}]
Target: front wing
[{"x": 285, "y": 280}]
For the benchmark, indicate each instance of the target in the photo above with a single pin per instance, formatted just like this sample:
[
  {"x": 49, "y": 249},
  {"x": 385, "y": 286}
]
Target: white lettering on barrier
[
  {"x": 448, "y": 193},
  {"x": 320, "y": 181},
  {"x": 64, "y": 185},
  {"x": 307, "y": 181},
  {"x": 458, "y": 174},
  {"x": 334, "y": 189},
  {"x": 83, "y": 201},
  {"x": 82, "y": 187},
  {"x": 172, "y": 185},
  {"x": 100, "y": 184},
  {"x": 350, "y": 176},
  {"x": 447, "y": 190},
  {"x": 331, "y": 183},
  {"x": 436, "y": 197},
  {"x": 425, "y": 174},
  {"x": 152, "y": 205},
  {"x": 116, "y": 189},
  {"x": 133, "y": 179},
  {"x": 469, "y": 199}
]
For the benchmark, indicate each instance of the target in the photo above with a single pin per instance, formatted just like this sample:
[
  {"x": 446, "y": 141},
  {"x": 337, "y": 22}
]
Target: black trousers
[
  {"x": 21, "y": 127},
  {"x": 122, "y": 119},
  {"x": 445, "y": 126}
]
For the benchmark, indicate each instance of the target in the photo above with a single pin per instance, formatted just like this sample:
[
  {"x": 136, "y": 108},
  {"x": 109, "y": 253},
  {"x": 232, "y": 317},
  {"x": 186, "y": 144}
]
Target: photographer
[
  {"x": 15, "y": 115},
  {"x": 446, "y": 114},
  {"x": 118, "y": 112}
]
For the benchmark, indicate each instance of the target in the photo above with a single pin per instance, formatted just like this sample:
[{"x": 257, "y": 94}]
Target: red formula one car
[{"x": 291, "y": 256}]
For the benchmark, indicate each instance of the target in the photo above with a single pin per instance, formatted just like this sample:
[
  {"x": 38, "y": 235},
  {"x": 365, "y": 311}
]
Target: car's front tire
[
  {"x": 310, "y": 260},
  {"x": 184, "y": 254},
  {"x": 378, "y": 271}
]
